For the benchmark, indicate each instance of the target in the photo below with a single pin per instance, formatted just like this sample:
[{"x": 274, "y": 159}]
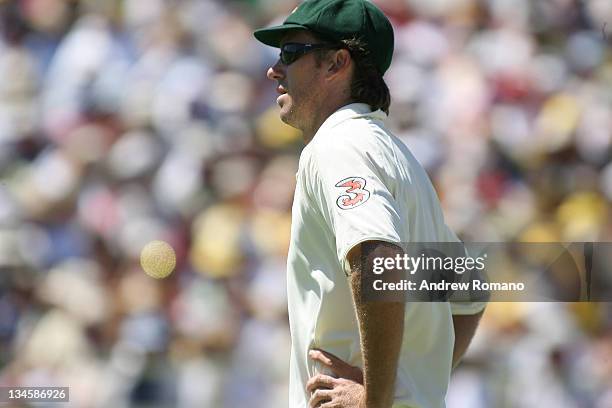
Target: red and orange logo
[{"x": 354, "y": 193}]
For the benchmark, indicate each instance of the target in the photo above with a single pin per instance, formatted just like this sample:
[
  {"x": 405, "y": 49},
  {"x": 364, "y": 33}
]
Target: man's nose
[{"x": 276, "y": 71}]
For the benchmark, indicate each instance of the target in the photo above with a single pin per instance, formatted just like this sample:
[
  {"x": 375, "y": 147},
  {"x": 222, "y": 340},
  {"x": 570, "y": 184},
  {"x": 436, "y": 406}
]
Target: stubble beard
[
  {"x": 297, "y": 114},
  {"x": 290, "y": 116}
]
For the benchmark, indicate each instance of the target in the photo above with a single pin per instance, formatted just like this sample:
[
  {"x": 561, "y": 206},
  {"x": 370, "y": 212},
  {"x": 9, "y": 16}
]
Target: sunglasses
[{"x": 291, "y": 52}]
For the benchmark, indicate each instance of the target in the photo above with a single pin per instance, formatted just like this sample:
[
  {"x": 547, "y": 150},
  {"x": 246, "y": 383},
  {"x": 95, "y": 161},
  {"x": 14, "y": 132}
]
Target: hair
[{"x": 367, "y": 84}]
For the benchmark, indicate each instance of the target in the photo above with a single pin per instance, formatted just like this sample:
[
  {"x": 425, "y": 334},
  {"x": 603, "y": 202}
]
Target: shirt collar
[{"x": 351, "y": 111}]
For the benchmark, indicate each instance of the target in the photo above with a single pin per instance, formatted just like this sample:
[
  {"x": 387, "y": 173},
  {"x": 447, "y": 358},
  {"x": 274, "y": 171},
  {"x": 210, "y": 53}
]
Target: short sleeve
[{"x": 353, "y": 190}]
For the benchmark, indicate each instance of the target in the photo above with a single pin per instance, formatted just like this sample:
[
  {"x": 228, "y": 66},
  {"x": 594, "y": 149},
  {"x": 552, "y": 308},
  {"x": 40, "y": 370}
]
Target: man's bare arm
[
  {"x": 381, "y": 327},
  {"x": 465, "y": 328}
]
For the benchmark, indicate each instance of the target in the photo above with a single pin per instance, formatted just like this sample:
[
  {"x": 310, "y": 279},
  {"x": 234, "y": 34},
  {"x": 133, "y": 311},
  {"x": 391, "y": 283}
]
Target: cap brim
[{"x": 272, "y": 36}]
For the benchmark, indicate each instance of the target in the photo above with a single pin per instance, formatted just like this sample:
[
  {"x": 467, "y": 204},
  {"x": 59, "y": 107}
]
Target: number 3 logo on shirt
[{"x": 355, "y": 193}]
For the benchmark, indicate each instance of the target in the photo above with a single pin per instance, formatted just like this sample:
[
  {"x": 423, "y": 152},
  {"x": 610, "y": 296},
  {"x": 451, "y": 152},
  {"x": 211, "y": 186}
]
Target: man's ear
[{"x": 340, "y": 61}]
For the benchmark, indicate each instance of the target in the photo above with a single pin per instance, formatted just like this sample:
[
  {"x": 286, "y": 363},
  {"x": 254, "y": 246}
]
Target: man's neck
[{"x": 325, "y": 112}]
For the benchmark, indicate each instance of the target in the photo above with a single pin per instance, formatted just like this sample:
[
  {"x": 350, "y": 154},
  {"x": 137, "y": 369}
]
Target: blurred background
[{"x": 126, "y": 121}]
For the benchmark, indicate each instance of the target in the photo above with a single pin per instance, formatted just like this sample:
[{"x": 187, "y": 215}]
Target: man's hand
[
  {"x": 346, "y": 391},
  {"x": 337, "y": 366}
]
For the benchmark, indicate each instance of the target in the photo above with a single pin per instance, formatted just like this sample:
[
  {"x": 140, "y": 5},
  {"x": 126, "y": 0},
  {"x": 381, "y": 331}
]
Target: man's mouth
[{"x": 281, "y": 91}]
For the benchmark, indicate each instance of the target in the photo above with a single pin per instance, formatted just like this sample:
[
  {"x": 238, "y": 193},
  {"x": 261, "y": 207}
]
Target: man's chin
[
  {"x": 285, "y": 117},
  {"x": 286, "y": 122}
]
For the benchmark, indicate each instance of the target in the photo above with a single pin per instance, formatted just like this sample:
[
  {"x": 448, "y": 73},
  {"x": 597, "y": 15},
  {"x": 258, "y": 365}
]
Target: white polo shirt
[{"x": 357, "y": 182}]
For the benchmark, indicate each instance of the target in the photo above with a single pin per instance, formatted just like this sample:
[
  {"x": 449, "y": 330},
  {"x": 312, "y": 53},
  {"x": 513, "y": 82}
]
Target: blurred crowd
[{"x": 125, "y": 121}]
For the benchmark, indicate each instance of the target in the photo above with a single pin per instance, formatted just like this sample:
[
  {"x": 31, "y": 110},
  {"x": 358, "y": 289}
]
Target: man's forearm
[
  {"x": 381, "y": 327},
  {"x": 465, "y": 327}
]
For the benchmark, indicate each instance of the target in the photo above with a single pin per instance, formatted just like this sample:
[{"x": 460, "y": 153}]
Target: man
[{"x": 359, "y": 190}]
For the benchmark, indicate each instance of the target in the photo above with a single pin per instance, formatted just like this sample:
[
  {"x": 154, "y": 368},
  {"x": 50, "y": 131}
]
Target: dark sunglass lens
[
  {"x": 290, "y": 53},
  {"x": 287, "y": 57},
  {"x": 292, "y": 47}
]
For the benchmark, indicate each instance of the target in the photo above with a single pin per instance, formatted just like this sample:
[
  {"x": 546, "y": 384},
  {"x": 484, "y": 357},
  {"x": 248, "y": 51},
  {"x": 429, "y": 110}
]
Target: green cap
[{"x": 337, "y": 20}]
